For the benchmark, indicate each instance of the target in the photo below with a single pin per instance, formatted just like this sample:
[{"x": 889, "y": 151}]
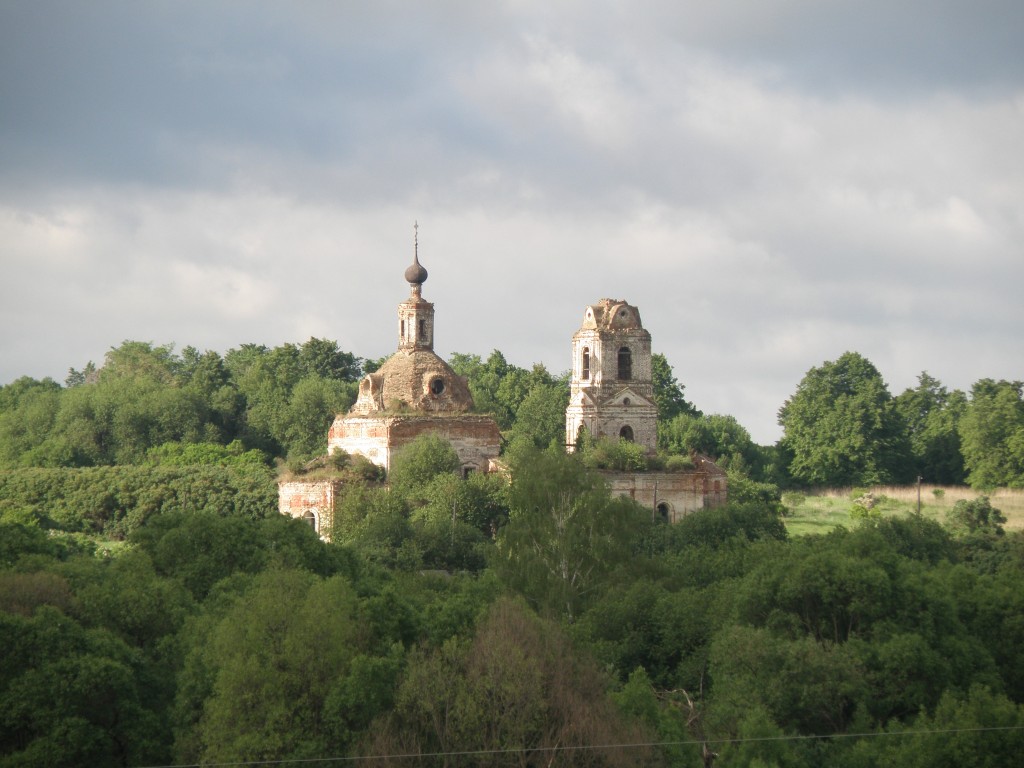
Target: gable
[
  {"x": 582, "y": 398},
  {"x": 625, "y": 394}
]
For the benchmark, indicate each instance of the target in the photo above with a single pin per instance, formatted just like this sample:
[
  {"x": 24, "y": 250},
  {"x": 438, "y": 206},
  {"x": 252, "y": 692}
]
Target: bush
[
  {"x": 975, "y": 516},
  {"x": 751, "y": 521},
  {"x": 865, "y": 512},
  {"x": 365, "y": 469},
  {"x": 679, "y": 463},
  {"x": 742, "y": 489},
  {"x": 618, "y": 455},
  {"x": 116, "y": 500},
  {"x": 420, "y": 461}
]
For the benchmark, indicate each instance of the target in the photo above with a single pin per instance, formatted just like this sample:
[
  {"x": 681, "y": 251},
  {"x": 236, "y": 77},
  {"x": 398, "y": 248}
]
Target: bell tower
[
  {"x": 612, "y": 392},
  {"x": 416, "y": 316}
]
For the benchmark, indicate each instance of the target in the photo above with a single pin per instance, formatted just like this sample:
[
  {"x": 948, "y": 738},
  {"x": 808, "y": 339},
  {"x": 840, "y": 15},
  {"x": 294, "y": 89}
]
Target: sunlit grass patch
[{"x": 820, "y": 510}]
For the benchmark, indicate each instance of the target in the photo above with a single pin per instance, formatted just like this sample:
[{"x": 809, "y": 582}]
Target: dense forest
[{"x": 155, "y": 609}]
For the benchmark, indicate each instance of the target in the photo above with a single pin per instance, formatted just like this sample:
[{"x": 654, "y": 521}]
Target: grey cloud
[{"x": 217, "y": 174}]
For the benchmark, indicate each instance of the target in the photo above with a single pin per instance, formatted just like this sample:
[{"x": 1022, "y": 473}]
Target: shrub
[
  {"x": 679, "y": 463},
  {"x": 863, "y": 513},
  {"x": 975, "y": 516},
  {"x": 115, "y": 500},
  {"x": 365, "y": 469},
  {"x": 423, "y": 459},
  {"x": 619, "y": 455}
]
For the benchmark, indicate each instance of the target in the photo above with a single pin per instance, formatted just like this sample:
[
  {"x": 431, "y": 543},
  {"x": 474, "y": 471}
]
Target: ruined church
[{"x": 416, "y": 392}]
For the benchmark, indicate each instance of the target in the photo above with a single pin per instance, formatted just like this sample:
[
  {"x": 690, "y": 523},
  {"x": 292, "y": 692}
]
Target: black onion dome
[{"x": 416, "y": 274}]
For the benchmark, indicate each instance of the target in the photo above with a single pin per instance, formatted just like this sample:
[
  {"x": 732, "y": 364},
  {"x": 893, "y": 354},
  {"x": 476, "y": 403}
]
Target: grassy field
[{"x": 819, "y": 511}]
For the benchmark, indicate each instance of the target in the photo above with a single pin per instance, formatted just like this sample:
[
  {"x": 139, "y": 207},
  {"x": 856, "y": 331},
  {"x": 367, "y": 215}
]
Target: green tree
[
  {"x": 541, "y": 414},
  {"x": 28, "y": 410},
  {"x": 565, "y": 533},
  {"x": 719, "y": 437},
  {"x": 992, "y": 434},
  {"x": 275, "y": 666},
  {"x": 841, "y": 427},
  {"x": 456, "y": 517},
  {"x": 312, "y": 405},
  {"x": 668, "y": 392},
  {"x": 932, "y": 415},
  {"x": 141, "y": 359},
  {"x": 323, "y": 358},
  {"x": 516, "y": 692},
  {"x": 500, "y": 388},
  {"x": 976, "y": 516},
  {"x": 419, "y": 462},
  {"x": 206, "y": 374},
  {"x": 70, "y": 695},
  {"x": 823, "y": 683},
  {"x": 976, "y": 729},
  {"x": 485, "y": 378},
  {"x": 292, "y": 393},
  {"x": 199, "y": 550}
]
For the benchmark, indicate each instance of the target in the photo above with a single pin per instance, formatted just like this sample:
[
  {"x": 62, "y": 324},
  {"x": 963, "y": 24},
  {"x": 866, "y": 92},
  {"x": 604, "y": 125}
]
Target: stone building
[
  {"x": 672, "y": 495},
  {"x": 612, "y": 395},
  {"x": 310, "y": 500},
  {"x": 414, "y": 392}
]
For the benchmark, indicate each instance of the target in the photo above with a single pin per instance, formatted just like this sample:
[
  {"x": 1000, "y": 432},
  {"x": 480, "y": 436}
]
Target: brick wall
[{"x": 300, "y": 498}]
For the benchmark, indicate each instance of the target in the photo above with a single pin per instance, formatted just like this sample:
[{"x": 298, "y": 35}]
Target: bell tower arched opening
[{"x": 625, "y": 364}]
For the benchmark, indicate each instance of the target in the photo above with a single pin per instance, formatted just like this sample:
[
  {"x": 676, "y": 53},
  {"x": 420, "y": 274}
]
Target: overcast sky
[{"x": 771, "y": 182}]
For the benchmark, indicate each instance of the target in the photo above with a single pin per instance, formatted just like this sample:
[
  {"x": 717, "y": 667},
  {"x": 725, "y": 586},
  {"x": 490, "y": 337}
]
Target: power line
[{"x": 592, "y": 747}]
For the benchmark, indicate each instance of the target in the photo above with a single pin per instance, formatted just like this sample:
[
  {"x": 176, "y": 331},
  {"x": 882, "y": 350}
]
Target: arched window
[
  {"x": 625, "y": 364},
  {"x": 626, "y": 433},
  {"x": 310, "y": 517},
  {"x": 402, "y": 332},
  {"x": 663, "y": 511},
  {"x": 423, "y": 329},
  {"x": 585, "y": 372}
]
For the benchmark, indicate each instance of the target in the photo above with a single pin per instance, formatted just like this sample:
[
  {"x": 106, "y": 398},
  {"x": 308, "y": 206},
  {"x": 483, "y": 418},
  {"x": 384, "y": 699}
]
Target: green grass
[{"x": 821, "y": 510}]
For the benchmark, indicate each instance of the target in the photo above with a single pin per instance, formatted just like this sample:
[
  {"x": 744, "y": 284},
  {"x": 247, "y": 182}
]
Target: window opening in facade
[
  {"x": 310, "y": 518},
  {"x": 626, "y": 433},
  {"x": 663, "y": 511},
  {"x": 585, "y": 373},
  {"x": 625, "y": 364},
  {"x": 437, "y": 385}
]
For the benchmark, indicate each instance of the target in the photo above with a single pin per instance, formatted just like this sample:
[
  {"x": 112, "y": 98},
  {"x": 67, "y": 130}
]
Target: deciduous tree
[
  {"x": 668, "y": 392},
  {"x": 992, "y": 434},
  {"x": 565, "y": 533},
  {"x": 841, "y": 427},
  {"x": 932, "y": 415}
]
